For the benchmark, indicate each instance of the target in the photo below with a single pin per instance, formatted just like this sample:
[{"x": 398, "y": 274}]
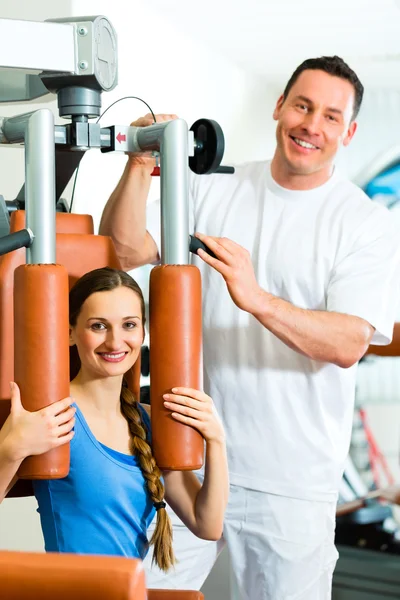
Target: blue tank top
[{"x": 102, "y": 506}]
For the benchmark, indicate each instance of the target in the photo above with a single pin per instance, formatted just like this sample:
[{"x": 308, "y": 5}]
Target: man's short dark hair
[{"x": 333, "y": 65}]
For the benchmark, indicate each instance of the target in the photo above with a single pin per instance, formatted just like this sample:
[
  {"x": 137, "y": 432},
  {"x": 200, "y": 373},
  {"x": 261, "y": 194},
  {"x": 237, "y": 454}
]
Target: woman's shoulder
[{"x": 146, "y": 408}]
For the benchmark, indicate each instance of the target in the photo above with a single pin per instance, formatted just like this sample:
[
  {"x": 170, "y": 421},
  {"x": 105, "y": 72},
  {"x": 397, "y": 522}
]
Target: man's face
[{"x": 313, "y": 122}]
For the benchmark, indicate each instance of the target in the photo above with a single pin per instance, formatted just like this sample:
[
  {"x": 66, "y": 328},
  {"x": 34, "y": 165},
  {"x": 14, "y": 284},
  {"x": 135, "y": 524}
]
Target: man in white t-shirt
[{"x": 305, "y": 278}]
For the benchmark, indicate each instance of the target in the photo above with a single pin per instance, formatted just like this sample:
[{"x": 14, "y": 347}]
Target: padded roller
[
  {"x": 176, "y": 360},
  {"x": 56, "y": 576},
  {"x": 41, "y": 353}
]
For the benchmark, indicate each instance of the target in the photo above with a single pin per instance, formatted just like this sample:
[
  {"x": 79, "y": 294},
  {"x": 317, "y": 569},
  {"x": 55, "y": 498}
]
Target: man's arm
[
  {"x": 320, "y": 335},
  {"x": 124, "y": 215},
  {"x": 325, "y": 336}
]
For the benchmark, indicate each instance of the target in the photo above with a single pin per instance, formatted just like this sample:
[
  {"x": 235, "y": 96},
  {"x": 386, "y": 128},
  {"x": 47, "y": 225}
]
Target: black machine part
[
  {"x": 196, "y": 244},
  {"x": 209, "y": 148},
  {"x": 145, "y": 361},
  {"x": 14, "y": 241}
]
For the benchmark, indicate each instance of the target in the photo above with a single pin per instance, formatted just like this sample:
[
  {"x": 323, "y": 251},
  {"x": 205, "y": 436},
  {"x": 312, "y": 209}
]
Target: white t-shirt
[{"x": 288, "y": 418}]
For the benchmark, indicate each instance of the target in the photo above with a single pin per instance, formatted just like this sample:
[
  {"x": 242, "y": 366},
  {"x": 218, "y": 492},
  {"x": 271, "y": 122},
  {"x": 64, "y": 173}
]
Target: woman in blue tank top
[{"x": 108, "y": 499}]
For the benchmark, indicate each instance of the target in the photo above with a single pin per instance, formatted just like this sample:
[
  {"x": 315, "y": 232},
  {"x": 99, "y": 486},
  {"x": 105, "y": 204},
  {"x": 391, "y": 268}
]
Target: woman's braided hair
[{"x": 104, "y": 280}]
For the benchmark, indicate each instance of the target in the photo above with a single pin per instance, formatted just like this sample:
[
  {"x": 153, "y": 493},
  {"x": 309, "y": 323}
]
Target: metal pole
[
  {"x": 171, "y": 139},
  {"x": 40, "y": 201},
  {"x": 175, "y": 194}
]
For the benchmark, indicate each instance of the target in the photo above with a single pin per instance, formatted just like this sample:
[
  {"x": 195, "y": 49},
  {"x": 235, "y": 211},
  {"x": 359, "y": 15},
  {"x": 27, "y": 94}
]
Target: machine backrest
[
  {"x": 26, "y": 575},
  {"x": 65, "y": 222},
  {"x": 79, "y": 253}
]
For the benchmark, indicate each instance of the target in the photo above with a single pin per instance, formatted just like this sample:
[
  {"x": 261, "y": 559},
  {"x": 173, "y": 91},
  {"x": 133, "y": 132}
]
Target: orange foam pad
[
  {"x": 65, "y": 222},
  {"x": 70, "y": 577},
  {"x": 41, "y": 353},
  {"x": 176, "y": 353}
]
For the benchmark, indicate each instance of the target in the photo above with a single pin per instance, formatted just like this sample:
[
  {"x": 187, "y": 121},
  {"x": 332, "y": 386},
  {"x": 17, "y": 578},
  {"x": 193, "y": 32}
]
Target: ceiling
[{"x": 270, "y": 38}]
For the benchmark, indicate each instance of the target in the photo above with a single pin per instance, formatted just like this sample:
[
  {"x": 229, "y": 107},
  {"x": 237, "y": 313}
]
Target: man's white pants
[{"x": 281, "y": 548}]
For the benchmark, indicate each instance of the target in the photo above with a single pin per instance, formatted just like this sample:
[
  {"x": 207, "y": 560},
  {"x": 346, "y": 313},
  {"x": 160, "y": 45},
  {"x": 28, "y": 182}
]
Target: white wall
[
  {"x": 12, "y": 159},
  {"x": 174, "y": 74},
  {"x": 378, "y": 129}
]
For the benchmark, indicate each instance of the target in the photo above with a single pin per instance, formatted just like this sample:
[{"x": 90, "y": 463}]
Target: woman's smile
[{"x": 112, "y": 356}]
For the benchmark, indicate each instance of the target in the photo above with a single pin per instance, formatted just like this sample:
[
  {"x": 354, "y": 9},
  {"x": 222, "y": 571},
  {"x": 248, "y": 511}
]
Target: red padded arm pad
[
  {"x": 175, "y": 360},
  {"x": 41, "y": 353}
]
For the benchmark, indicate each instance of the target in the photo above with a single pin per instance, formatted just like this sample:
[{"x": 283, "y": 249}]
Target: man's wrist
[
  {"x": 141, "y": 164},
  {"x": 261, "y": 307}
]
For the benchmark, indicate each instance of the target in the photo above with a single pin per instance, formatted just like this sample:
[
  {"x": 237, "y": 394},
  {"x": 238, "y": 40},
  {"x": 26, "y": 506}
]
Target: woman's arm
[
  {"x": 27, "y": 433},
  {"x": 200, "y": 507},
  {"x": 8, "y": 470}
]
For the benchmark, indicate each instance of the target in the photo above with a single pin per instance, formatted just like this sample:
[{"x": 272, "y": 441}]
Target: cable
[{"x": 97, "y": 120}]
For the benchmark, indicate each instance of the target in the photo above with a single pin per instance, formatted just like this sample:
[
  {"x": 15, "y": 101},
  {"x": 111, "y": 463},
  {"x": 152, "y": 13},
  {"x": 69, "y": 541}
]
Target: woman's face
[{"x": 109, "y": 332}]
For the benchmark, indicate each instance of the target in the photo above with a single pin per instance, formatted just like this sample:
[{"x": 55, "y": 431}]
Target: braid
[{"x": 163, "y": 554}]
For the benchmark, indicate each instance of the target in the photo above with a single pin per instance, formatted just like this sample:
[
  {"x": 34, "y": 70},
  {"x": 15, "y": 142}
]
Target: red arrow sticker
[{"x": 121, "y": 137}]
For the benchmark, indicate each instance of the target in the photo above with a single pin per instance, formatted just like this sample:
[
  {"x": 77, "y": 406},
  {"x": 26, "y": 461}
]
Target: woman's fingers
[
  {"x": 64, "y": 439},
  {"x": 65, "y": 416},
  {"x": 184, "y": 401},
  {"x": 196, "y": 409},
  {"x": 191, "y": 393},
  {"x": 175, "y": 400},
  {"x": 57, "y": 407},
  {"x": 64, "y": 429},
  {"x": 186, "y": 410},
  {"x": 187, "y": 420}
]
